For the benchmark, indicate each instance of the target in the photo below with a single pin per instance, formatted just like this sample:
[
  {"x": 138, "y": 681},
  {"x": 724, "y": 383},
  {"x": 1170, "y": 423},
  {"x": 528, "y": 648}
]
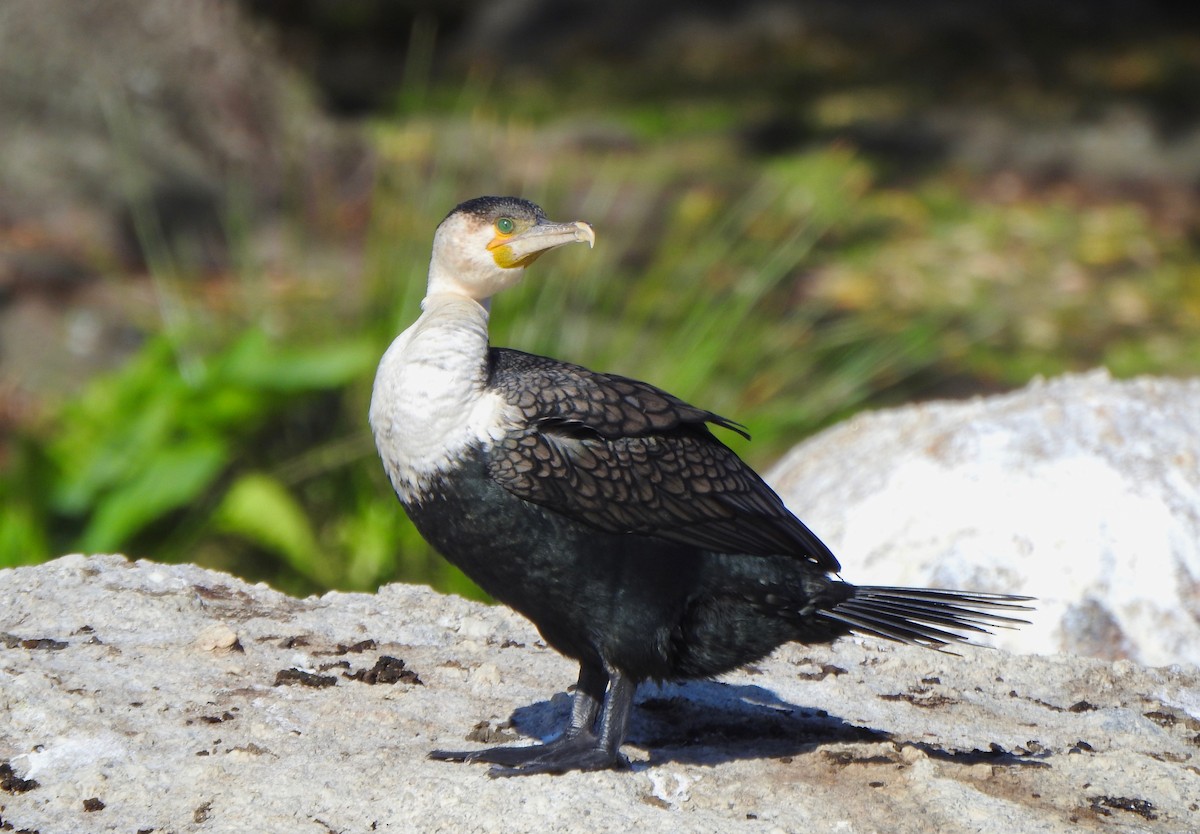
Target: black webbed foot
[
  {"x": 592, "y": 740},
  {"x": 581, "y": 751}
]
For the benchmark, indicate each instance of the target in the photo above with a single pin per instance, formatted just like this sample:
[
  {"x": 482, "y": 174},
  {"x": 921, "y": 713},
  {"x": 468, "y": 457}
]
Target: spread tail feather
[{"x": 924, "y": 616}]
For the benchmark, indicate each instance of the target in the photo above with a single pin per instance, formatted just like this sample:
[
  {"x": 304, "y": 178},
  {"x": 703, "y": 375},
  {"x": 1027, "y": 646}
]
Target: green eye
[{"x": 505, "y": 225}]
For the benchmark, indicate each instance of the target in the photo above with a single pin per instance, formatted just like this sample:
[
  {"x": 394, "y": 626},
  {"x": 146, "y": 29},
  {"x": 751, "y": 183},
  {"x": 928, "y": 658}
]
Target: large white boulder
[{"x": 1082, "y": 491}]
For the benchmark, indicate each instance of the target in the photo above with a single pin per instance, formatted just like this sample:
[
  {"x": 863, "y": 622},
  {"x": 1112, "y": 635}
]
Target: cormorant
[{"x": 603, "y": 508}]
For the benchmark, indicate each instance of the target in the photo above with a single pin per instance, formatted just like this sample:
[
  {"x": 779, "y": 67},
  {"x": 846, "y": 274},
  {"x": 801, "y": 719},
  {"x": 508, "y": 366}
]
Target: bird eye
[{"x": 505, "y": 225}]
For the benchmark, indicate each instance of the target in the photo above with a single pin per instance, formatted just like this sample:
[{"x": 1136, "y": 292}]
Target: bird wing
[{"x": 626, "y": 457}]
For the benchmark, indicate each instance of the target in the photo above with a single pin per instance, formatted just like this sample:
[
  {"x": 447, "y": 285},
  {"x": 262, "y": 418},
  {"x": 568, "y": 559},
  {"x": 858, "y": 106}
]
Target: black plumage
[
  {"x": 606, "y": 511},
  {"x": 626, "y": 457}
]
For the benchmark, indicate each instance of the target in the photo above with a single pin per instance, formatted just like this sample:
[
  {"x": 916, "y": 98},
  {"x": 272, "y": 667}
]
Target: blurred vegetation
[{"x": 786, "y": 290}]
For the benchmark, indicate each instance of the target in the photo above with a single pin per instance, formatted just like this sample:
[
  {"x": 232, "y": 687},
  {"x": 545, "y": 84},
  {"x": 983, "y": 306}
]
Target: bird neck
[
  {"x": 450, "y": 277},
  {"x": 455, "y": 304},
  {"x": 448, "y": 345},
  {"x": 430, "y": 403}
]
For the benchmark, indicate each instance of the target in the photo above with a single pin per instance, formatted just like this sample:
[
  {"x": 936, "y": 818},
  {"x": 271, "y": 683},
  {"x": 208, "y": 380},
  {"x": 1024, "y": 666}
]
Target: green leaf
[
  {"x": 22, "y": 540},
  {"x": 256, "y": 363},
  {"x": 261, "y": 510},
  {"x": 97, "y": 452},
  {"x": 176, "y": 476}
]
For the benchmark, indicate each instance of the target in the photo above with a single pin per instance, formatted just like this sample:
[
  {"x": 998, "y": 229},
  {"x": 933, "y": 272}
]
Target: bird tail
[{"x": 924, "y": 616}]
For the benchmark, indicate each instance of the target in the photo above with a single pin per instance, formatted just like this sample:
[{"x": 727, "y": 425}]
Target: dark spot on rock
[
  {"x": 919, "y": 699},
  {"x": 844, "y": 758},
  {"x": 827, "y": 669},
  {"x": 1081, "y": 747},
  {"x": 11, "y": 641},
  {"x": 512, "y": 644},
  {"x": 298, "y": 677},
  {"x": 1168, "y": 718},
  {"x": 1143, "y": 808},
  {"x": 217, "y": 719},
  {"x": 485, "y": 733},
  {"x": 386, "y": 670},
  {"x": 299, "y": 641},
  {"x": 1052, "y": 707},
  {"x": 1174, "y": 758},
  {"x": 356, "y": 648},
  {"x": 12, "y": 783},
  {"x": 93, "y": 804},
  {"x": 221, "y": 592},
  {"x": 202, "y": 813},
  {"x": 931, "y": 680},
  {"x": 1082, "y": 706},
  {"x": 1047, "y": 705}
]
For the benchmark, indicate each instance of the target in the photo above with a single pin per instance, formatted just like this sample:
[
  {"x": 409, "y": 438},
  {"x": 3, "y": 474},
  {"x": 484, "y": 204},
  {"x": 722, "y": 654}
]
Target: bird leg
[{"x": 582, "y": 745}]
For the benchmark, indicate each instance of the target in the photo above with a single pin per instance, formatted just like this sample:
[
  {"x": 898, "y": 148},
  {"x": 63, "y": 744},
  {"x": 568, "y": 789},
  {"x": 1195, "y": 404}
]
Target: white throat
[{"x": 430, "y": 403}]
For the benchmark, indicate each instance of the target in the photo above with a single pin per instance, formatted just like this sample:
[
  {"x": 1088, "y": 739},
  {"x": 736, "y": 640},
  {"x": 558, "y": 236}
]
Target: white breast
[{"x": 430, "y": 403}]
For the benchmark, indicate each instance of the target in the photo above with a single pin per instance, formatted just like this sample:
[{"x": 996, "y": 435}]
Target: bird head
[{"x": 484, "y": 245}]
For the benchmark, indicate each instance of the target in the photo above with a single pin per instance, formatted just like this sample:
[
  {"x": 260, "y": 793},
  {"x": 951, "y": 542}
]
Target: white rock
[
  {"x": 1082, "y": 491},
  {"x": 122, "y": 705},
  {"x": 217, "y": 637}
]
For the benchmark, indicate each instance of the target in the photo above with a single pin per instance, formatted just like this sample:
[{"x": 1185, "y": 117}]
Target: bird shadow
[{"x": 708, "y": 722}]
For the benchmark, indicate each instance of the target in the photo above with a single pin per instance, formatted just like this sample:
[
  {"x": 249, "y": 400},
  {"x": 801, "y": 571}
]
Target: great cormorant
[{"x": 603, "y": 508}]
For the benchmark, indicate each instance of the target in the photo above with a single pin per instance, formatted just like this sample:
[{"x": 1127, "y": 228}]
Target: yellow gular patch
[{"x": 506, "y": 258}]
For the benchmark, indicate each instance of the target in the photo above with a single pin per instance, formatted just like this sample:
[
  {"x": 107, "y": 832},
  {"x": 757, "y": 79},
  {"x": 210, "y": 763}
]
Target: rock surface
[
  {"x": 147, "y": 697},
  {"x": 1083, "y": 492}
]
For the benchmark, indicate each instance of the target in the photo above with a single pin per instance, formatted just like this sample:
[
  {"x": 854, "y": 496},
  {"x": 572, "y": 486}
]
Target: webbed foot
[{"x": 581, "y": 751}]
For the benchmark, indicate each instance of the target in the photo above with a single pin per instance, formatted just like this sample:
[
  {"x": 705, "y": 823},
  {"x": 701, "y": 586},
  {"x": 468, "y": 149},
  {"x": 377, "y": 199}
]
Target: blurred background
[{"x": 215, "y": 215}]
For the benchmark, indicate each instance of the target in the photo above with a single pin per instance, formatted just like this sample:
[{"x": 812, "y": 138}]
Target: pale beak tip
[{"x": 584, "y": 232}]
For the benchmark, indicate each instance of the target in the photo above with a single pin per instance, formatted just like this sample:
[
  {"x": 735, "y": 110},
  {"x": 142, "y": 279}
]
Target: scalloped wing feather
[{"x": 626, "y": 457}]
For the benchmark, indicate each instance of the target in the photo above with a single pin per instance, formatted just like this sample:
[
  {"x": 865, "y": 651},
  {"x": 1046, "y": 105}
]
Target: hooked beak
[{"x": 520, "y": 250}]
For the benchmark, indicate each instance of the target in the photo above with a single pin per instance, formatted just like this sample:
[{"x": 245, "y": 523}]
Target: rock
[
  {"x": 118, "y": 712},
  {"x": 1083, "y": 491}
]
